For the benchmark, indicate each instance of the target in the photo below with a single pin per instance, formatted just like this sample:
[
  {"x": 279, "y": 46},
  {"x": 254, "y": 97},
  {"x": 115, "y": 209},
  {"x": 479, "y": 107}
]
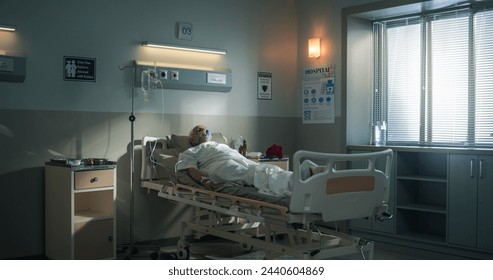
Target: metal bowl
[{"x": 95, "y": 161}]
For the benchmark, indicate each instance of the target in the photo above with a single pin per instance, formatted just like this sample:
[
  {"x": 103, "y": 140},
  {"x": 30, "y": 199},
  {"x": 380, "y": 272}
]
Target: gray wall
[
  {"x": 321, "y": 18},
  {"x": 359, "y": 81},
  {"x": 46, "y": 117}
]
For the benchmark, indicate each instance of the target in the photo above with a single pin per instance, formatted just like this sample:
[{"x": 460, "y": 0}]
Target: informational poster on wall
[
  {"x": 318, "y": 95},
  {"x": 264, "y": 82},
  {"x": 82, "y": 69}
]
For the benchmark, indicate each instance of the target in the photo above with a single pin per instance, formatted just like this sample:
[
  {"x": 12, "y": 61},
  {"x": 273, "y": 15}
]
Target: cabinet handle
[
  {"x": 471, "y": 168},
  {"x": 481, "y": 168},
  {"x": 110, "y": 238},
  {"x": 94, "y": 180}
]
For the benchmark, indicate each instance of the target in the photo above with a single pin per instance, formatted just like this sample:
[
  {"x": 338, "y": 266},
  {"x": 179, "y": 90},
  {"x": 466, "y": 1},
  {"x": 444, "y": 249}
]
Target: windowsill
[{"x": 444, "y": 149}]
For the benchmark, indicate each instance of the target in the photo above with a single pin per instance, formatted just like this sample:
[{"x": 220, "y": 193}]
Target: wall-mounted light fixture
[
  {"x": 4, "y": 27},
  {"x": 184, "y": 48},
  {"x": 314, "y": 47}
]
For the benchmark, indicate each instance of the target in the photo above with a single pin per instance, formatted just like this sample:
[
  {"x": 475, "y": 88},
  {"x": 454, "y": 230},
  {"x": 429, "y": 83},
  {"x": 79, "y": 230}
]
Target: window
[{"x": 433, "y": 78}]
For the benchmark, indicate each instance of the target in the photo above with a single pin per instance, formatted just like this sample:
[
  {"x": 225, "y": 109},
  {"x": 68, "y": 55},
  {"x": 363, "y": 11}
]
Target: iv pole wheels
[
  {"x": 183, "y": 253},
  {"x": 246, "y": 247}
]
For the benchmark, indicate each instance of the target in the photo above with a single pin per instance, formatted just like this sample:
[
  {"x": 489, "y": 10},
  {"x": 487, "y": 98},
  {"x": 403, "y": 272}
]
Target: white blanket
[{"x": 223, "y": 164}]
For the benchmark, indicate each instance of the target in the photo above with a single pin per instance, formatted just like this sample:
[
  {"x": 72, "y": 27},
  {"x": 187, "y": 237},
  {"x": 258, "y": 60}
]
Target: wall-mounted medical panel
[
  {"x": 12, "y": 69},
  {"x": 148, "y": 76}
]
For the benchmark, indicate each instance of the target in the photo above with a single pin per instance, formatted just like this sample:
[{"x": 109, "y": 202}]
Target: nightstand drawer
[
  {"x": 93, "y": 179},
  {"x": 283, "y": 163}
]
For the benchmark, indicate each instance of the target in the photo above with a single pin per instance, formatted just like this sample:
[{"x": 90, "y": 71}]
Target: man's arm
[{"x": 199, "y": 178}]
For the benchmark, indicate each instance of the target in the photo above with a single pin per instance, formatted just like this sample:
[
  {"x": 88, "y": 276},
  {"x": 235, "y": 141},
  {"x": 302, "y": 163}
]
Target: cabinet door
[
  {"x": 462, "y": 208},
  {"x": 485, "y": 203},
  {"x": 94, "y": 240}
]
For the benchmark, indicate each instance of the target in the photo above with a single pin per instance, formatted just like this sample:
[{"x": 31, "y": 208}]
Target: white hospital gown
[{"x": 222, "y": 164}]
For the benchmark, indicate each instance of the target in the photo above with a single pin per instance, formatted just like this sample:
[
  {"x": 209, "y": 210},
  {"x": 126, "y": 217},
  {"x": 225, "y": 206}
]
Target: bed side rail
[{"x": 348, "y": 186}]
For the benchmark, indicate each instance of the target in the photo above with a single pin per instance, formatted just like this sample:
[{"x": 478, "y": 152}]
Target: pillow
[
  {"x": 180, "y": 142},
  {"x": 166, "y": 158}
]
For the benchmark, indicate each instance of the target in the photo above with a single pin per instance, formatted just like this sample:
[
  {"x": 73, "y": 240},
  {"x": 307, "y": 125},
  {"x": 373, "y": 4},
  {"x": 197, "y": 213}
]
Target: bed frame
[{"x": 342, "y": 187}]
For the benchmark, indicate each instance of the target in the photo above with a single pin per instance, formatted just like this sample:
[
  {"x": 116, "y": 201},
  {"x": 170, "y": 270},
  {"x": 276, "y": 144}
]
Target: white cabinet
[
  {"x": 471, "y": 201},
  {"x": 442, "y": 200},
  {"x": 80, "y": 211}
]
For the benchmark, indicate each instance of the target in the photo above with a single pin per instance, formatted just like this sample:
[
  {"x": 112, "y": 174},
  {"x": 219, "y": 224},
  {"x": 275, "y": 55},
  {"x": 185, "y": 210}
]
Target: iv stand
[
  {"x": 131, "y": 118},
  {"x": 132, "y": 249}
]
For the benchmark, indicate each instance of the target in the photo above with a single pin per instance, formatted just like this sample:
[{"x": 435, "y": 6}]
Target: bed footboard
[{"x": 342, "y": 186}]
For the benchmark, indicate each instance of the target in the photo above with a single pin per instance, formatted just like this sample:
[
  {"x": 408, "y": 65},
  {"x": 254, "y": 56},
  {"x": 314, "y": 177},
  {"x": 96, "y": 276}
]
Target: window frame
[{"x": 379, "y": 110}]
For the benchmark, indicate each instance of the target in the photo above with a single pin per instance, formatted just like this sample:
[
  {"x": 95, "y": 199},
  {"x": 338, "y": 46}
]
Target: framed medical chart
[
  {"x": 264, "y": 85},
  {"x": 318, "y": 93}
]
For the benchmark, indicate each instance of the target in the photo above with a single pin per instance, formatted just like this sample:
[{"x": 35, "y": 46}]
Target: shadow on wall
[
  {"x": 123, "y": 198},
  {"x": 22, "y": 208},
  {"x": 154, "y": 219}
]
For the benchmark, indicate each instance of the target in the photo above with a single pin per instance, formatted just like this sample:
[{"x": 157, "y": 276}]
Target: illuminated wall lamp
[
  {"x": 183, "y": 48},
  {"x": 10, "y": 28},
  {"x": 314, "y": 47}
]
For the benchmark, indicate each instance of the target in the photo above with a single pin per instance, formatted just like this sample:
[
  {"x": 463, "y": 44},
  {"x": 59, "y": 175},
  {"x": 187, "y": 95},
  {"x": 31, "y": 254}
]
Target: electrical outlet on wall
[
  {"x": 163, "y": 74},
  {"x": 175, "y": 75}
]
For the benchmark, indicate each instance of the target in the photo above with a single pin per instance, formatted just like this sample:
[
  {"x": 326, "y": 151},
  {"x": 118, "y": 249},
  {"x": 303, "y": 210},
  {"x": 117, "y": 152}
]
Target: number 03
[{"x": 185, "y": 31}]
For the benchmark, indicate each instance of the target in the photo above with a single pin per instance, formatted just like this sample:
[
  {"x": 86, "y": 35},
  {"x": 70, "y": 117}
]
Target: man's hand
[
  {"x": 197, "y": 177},
  {"x": 208, "y": 183}
]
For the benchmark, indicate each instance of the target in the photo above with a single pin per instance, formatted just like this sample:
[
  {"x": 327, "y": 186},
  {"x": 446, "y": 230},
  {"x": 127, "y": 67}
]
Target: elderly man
[{"x": 210, "y": 163}]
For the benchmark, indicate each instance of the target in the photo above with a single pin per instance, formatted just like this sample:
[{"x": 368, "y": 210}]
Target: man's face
[{"x": 200, "y": 134}]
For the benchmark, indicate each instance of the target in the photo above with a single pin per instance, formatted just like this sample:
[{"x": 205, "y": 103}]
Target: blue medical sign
[{"x": 81, "y": 69}]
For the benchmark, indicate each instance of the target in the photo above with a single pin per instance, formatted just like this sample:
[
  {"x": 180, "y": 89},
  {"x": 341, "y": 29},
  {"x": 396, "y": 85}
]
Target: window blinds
[
  {"x": 403, "y": 87},
  {"x": 483, "y": 106},
  {"x": 448, "y": 76},
  {"x": 435, "y": 78}
]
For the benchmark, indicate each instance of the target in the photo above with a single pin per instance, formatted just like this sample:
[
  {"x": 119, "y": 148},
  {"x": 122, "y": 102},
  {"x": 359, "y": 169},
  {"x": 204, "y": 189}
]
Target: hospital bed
[{"x": 339, "y": 187}]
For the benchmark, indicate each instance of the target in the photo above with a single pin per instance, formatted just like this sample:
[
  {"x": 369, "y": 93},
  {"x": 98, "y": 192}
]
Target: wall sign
[
  {"x": 80, "y": 69},
  {"x": 264, "y": 81},
  {"x": 184, "y": 30},
  {"x": 318, "y": 95}
]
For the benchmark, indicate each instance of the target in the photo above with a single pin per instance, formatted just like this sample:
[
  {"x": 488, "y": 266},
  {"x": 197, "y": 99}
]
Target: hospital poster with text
[{"x": 318, "y": 92}]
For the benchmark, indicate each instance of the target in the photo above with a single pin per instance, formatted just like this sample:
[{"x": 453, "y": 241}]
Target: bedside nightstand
[
  {"x": 283, "y": 162},
  {"x": 80, "y": 211}
]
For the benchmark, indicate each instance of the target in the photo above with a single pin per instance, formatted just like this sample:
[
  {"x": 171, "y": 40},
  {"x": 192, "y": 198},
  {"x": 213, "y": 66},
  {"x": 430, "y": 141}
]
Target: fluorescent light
[
  {"x": 183, "y": 48},
  {"x": 10, "y": 28}
]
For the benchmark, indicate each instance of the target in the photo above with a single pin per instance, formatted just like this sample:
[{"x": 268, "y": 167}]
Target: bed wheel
[
  {"x": 183, "y": 253},
  {"x": 246, "y": 248}
]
